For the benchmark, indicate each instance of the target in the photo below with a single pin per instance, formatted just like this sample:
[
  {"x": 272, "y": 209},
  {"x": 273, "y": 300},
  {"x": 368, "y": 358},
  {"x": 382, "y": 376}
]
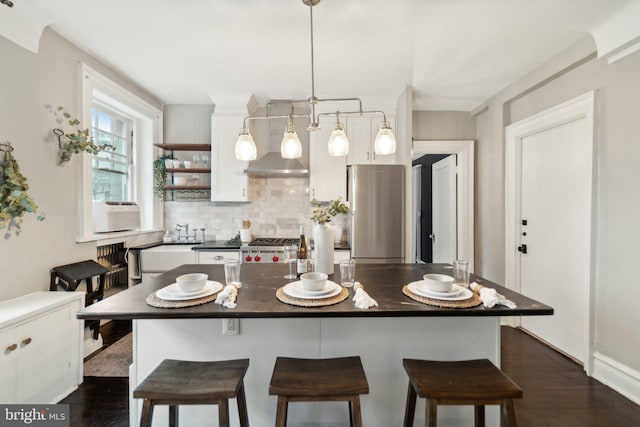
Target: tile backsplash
[{"x": 279, "y": 207}]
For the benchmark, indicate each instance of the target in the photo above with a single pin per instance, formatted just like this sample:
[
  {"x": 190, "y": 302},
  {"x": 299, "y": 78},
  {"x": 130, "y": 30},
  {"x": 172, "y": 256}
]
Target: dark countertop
[
  {"x": 221, "y": 245},
  {"x": 257, "y": 299},
  {"x": 215, "y": 245}
]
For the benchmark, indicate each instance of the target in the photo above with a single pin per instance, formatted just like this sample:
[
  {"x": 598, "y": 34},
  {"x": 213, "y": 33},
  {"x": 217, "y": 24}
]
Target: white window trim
[{"x": 148, "y": 125}]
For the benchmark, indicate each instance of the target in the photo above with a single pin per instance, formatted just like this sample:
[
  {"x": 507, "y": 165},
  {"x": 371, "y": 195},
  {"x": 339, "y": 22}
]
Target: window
[
  {"x": 126, "y": 175},
  {"x": 113, "y": 172}
]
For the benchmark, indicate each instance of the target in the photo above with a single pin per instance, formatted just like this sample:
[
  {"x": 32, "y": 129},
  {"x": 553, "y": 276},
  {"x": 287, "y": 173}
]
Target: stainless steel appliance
[
  {"x": 376, "y": 194},
  {"x": 266, "y": 249}
]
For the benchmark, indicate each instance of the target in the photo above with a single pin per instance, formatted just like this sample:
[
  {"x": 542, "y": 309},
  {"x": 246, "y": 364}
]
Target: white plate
[
  {"x": 173, "y": 293},
  {"x": 300, "y": 289},
  {"x": 424, "y": 287},
  {"x": 461, "y": 295},
  {"x": 294, "y": 289}
]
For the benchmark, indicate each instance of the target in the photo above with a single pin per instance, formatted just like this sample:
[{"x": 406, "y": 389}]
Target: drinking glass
[
  {"x": 290, "y": 256},
  {"x": 461, "y": 273},
  {"x": 347, "y": 272},
  {"x": 232, "y": 271}
]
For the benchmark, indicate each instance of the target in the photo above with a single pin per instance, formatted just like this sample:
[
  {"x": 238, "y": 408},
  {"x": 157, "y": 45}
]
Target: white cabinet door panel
[
  {"x": 229, "y": 182},
  {"x": 328, "y": 174}
]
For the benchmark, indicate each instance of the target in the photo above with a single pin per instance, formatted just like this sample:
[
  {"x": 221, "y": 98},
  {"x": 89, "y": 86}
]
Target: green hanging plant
[
  {"x": 70, "y": 143},
  {"x": 14, "y": 200},
  {"x": 160, "y": 174}
]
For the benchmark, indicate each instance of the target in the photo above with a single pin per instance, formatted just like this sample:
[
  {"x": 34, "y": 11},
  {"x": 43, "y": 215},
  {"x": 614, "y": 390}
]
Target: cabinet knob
[
  {"x": 12, "y": 347},
  {"x": 218, "y": 258},
  {"x": 26, "y": 341}
]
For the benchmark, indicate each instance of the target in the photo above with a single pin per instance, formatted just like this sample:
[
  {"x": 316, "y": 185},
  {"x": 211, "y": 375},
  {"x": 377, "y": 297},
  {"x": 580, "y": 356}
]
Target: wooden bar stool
[
  {"x": 466, "y": 382},
  {"x": 314, "y": 380},
  {"x": 179, "y": 382},
  {"x": 70, "y": 276}
]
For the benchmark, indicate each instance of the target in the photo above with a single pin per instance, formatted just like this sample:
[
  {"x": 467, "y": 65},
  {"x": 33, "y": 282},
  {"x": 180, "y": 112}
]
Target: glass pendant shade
[
  {"x": 338, "y": 142},
  {"x": 385, "y": 142},
  {"x": 291, "y": 148},
  {"x": 245, "y": 146}
]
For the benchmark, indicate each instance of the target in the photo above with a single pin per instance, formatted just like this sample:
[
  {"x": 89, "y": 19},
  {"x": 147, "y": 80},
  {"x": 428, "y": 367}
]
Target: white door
[
  {"x": 444, "y": 208},
  {"x": 553, "y": 220}
]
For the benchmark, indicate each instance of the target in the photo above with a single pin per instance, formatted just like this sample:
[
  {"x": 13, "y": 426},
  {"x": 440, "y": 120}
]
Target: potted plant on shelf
[
  {"x": 160, "y": 173},
  {"x": 14, "y": 200},
  {"x": 70, "y": 143},
  {"x": 323, "y": 235}
]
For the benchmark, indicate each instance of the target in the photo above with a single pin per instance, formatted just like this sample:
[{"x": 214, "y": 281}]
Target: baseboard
[
  {"x": 619, "y": 377},
  {"x": 91, "y": 345}
]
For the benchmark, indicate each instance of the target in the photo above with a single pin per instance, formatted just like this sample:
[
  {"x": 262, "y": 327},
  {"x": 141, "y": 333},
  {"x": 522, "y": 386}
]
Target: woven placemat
[
  {"x": 473, "y": 301},
  {"x": 304, "y": 302},
  {"x": 154, "y": 301}
]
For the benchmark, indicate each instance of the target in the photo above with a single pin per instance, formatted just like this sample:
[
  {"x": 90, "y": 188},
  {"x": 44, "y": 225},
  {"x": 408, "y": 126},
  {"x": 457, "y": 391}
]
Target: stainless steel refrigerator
[{"x": 376, "y": 195}]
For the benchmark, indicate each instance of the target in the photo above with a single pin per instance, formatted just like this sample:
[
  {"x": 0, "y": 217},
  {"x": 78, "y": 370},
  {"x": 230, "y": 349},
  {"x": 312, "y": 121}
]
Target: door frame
[
  {"x": 465, "y": 170},
  {"x": 416, "y": 199},
  {"x": 581, "y": 107}
]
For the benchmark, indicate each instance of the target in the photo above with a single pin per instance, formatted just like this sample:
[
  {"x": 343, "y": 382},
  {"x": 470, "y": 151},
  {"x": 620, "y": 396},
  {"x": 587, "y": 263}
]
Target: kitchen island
[{"x": 382, "y": 336}]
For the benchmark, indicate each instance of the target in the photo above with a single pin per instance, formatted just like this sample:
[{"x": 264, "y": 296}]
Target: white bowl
[
  {"x": 313, "y": 281},
  {"x": 180, "y": 180},
  {"x": 191, "y": 282},
  {"x": 438, "y": 282}
]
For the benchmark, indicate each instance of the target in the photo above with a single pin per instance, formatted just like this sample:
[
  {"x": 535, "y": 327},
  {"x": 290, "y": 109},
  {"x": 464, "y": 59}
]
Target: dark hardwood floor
[{"x": 557, "y": 393}]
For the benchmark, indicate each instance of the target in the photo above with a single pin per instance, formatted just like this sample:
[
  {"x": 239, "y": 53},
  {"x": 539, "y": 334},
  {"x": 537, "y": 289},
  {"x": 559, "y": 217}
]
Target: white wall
[
  {"x": 443, "y": 125},
  {"x": 566, "y": 76},
  {"x": 28, "y": 82}
]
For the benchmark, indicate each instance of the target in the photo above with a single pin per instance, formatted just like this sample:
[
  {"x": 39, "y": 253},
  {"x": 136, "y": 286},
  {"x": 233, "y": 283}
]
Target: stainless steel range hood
[
  {"x": 274, "y": 165},
  {"x": 269, "y": 134}
]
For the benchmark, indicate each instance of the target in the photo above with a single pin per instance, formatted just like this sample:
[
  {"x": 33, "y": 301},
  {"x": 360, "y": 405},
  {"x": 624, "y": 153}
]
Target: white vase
[{"x": 323, "y": 248}]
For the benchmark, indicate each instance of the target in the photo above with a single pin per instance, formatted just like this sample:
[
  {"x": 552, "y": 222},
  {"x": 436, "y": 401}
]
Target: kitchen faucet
[{"x": 179, "y": 229}]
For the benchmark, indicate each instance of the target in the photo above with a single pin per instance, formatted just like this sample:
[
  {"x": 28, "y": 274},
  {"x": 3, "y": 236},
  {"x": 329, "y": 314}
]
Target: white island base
[{"x": 381, "y": 342}]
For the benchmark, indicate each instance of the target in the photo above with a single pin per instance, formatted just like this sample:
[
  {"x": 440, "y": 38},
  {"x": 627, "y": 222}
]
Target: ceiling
[{"x": 455, "y": 54}]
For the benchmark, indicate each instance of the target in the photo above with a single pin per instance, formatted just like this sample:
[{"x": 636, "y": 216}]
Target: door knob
[
  {"x": 522, "y": 249},
  {"x": 432, "y": 236}
]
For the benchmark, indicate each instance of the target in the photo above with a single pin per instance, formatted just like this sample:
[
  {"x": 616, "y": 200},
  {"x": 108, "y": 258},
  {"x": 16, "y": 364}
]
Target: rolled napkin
[
  {"x": 490, "y": 296},
  {"x": 362, "y": 299},
  {"x": 227, "y": 296}
]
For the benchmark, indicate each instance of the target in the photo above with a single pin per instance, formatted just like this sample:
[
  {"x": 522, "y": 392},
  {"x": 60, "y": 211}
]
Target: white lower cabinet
[
  {"x": 216, "y": 257},
  {"x": 341, "y": 255},
  {"x": 41, "y": 342}
]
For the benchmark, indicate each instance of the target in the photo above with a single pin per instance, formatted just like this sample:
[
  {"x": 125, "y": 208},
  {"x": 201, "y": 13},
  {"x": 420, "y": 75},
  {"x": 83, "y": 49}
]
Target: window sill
[{"x": 130, "y": 237}]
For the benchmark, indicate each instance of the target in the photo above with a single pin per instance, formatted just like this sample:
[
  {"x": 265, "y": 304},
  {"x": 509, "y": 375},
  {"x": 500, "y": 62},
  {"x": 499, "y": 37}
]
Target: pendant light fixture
[
  {"x": 290, "y": 148},
  {"x": 245, "y": 146},
  {"x": 338, "y": 144},
  {"x": 385, "y": 142}
]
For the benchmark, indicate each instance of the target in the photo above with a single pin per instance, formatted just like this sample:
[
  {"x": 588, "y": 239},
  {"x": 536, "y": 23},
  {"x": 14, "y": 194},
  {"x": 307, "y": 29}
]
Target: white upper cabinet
[
  {"x": 327, "y": 174},
  {"x": 361, "y": 131},
  {"x": 229, "y": 182}
]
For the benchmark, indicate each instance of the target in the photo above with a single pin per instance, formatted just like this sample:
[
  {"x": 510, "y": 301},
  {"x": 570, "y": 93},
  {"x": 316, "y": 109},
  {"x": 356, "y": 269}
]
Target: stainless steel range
[{"x": 266, "y": 249}]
